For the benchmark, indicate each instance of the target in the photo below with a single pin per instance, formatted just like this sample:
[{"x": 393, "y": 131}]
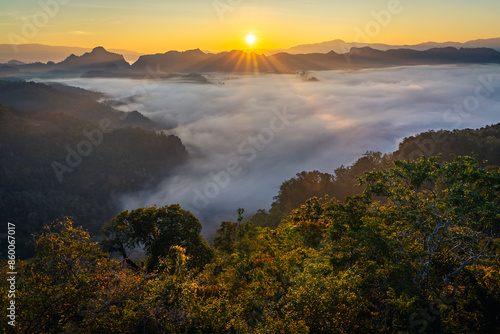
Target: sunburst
[{"x": 251, "y": 39}]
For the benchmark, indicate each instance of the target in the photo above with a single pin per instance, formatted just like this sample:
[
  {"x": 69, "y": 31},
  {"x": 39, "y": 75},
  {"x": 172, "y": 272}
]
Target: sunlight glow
[{"x": 251, "y": 39}]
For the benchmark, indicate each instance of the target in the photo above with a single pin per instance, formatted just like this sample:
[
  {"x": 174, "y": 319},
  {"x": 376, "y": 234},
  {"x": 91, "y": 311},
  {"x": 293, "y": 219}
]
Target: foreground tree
[
  {"x": 419, "y": 246},
  {"x": 71, "y": 285},
  {"x": 452, "y": 210},
  {"x": 157, "y": 230}
]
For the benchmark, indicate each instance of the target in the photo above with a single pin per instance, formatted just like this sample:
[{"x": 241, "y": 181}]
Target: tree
[
  {"x": 294, "y": 192},
  {"x": 71, "y": 285},
  {"x": 226, "y": 237},
  {"x": 157, "y": 230},
  {"x": 450, "y": 209},
  {"x": 310, "y": 221}
]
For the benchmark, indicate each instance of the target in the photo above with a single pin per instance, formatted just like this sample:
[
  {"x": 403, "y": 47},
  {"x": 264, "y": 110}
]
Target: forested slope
[
  {"x": 483, "y": 144},
  {"x": 56, "y": 165},
  {"x": 417, "y": 251}
]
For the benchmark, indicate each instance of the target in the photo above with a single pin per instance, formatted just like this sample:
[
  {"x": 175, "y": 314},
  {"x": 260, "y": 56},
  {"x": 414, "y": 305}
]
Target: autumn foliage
[{"x": 417, "y": 251}]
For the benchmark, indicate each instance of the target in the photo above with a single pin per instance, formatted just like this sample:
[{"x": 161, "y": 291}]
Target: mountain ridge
[
  {"x": 340, "y": 46},
  {"x": 101, "y": 63},
  {"x": 97, "y": 57},
  {"x": 31, "y": 53}
]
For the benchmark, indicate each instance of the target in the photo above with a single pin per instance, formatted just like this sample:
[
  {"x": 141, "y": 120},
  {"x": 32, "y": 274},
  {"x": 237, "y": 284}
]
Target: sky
[
  {"x": 151, "y": 26},
  {"x": 251, "y": 134}
]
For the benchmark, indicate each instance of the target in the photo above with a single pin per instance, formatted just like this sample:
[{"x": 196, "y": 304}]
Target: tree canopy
[
  {"x": 417, "y": 251},
  {"x": 157, "y": 230}
]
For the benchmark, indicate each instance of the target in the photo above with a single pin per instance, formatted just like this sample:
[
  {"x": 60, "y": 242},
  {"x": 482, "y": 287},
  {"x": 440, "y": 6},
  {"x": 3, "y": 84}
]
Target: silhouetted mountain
[
  {"x": 31, "y": 53},
  {"x": 15, "y": 62},
  {"x": 99, "y": 58},
  {"x": 101, "y": 64},
  {"x": 238, "y": 61},
  {"x": 170, "y": 61},
  {"x": 340, "y": 46},
  {"x": 369, "y": 57},
  {"x": 160, "y": 65}
]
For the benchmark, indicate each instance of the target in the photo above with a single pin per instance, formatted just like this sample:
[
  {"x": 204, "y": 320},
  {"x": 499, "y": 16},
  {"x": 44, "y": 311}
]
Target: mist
[{"x": 248, "y": 134}]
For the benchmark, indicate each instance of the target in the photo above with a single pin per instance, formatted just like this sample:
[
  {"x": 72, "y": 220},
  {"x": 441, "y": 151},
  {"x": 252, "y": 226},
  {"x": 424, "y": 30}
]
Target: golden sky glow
[
  {"x": 217, "y": 25},
  {"x": 251, "y": 39}
]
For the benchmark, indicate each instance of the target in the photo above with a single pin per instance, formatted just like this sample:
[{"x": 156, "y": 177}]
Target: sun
[{"x": 251, "y": 39}]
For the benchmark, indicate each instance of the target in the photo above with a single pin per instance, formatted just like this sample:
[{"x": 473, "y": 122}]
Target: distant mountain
[
  {"x": 198, "y": 61},
  {"x": 8, "y": 71},
  {"x": 357, "y": 58},
  {"x": 179, "y": 60},
  {"x": 73, "y": 66},
  {"x": 340, "y": 46},
  {"x": 15, "y": 62},
  {"x": 369, "y": 57},
  {"x": 32, "y": 53},
  {"x": 99, "y": 58},
  {"x": 173, "y": 64}
]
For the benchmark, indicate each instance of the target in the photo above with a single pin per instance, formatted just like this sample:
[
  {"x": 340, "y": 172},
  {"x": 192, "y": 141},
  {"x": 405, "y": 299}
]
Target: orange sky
[{"x": 160, "y": 25}]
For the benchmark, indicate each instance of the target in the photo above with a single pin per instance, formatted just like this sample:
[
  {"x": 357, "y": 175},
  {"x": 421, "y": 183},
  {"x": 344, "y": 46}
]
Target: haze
[{"x": 262, "y": 130}]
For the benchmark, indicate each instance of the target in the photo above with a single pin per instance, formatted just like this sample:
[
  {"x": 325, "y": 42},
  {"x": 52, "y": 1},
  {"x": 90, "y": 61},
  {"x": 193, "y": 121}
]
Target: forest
[
  {"x": 57, "y": 161},
  {"x": 387, "y": 245}
]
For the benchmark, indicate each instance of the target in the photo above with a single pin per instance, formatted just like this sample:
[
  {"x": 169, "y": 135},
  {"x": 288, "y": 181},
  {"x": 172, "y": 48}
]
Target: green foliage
[
  {"x": 72, "y": 285},
  {"x": 310, "y": 221},
  {"x": 484, "y": 143},
  {"x": 417, "y": 251},
  {"x": 452, "y": 209},
  {"x": 157, "y": 230},
  {"x": 295, "y": 192},
  {"x": 225, "y": 237}
]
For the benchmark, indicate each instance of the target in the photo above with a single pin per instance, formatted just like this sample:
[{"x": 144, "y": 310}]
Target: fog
[{"x": 251, "y": 133}]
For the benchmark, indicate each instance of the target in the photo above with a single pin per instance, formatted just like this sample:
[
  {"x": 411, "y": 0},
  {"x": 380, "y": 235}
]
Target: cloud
[{"x": 330, "y": 123}]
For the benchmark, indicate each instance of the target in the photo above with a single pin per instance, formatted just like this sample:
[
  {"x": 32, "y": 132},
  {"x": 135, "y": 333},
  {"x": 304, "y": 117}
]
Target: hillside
[
  {"x": 482, "y": 143},
  {"x": 57, "y": 98},
  {"x": 417, "y": 251},
  {"x": 55, "y": 165}
]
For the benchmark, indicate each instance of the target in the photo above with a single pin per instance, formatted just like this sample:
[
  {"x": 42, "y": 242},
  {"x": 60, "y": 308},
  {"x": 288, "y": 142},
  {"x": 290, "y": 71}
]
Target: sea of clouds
[{"x": 249, "y": 133}]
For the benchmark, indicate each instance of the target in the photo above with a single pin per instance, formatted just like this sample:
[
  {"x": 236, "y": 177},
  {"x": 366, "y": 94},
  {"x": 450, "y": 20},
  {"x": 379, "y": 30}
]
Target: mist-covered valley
[
  {"x": 250, "y": 167},
  {"x": 246, "y": 134}
]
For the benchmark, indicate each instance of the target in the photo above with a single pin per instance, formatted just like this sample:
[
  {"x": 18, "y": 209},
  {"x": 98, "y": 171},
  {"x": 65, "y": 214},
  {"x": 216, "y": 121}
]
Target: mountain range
[
  {"x": 102, "y": 63},
  {"x": 32, "y": 53},
  {"x": 340, "y": 46}
]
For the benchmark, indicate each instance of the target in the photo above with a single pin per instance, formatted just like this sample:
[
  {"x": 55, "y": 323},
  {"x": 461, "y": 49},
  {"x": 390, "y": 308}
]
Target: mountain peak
[
  {"x": 99, "y": 49},
  {"x": 194, "y": 52},
  {"x": 99, "y": 56}
]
